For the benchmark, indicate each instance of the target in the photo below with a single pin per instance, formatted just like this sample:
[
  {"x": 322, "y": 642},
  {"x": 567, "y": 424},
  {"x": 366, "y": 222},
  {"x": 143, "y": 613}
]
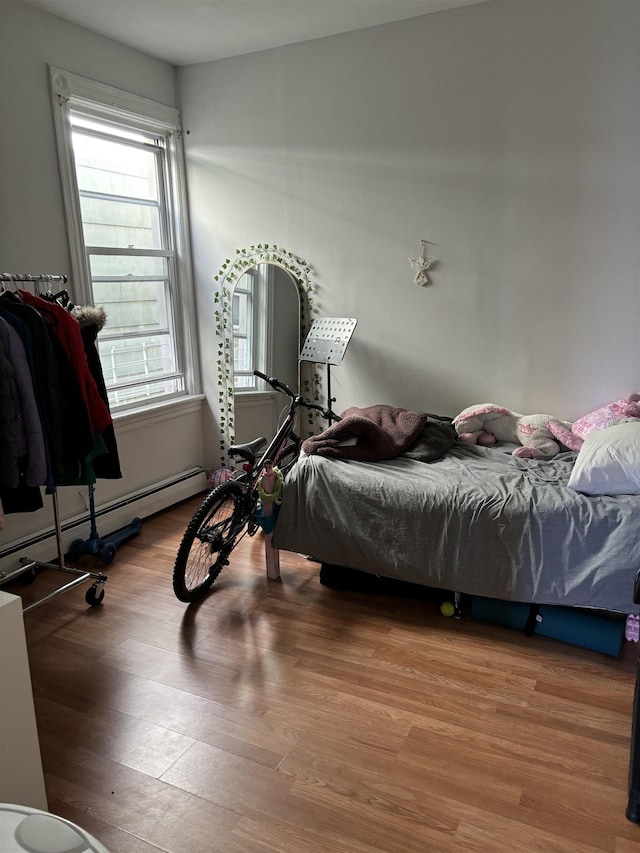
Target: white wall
[
  {"x": 33, "y": 237},
  {"x": 505, "y": 133}
]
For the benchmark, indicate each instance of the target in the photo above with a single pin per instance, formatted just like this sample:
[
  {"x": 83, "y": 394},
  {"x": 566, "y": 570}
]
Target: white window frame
[{"x": 71, "y": 91}]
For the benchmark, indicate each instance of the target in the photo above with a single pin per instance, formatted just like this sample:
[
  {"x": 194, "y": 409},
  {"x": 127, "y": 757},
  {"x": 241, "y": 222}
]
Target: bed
[{"x": 477, "y": 520}]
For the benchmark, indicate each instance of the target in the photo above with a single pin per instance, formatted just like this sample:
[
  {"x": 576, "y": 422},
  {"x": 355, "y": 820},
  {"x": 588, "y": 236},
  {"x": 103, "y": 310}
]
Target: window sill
[
  {"x": 136, "y": 418},
  {"x": 254, "y": 396}
]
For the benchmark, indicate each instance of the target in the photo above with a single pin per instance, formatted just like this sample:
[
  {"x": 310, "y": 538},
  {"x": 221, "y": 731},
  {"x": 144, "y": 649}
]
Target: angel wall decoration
[{"x": 421, "y": 265}]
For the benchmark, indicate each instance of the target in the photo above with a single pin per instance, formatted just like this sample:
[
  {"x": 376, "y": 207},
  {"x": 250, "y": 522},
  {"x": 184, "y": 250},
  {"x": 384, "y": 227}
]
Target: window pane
[
  {"x": 132, "y": 306},
  {"x": 114, "y": 168},
  {"x": 245, "y": 382},
  {"x": 241, "y": 355},
  {"x": 243, "y": 320},
  {"x": 120, "y": 224},
  {"x": 241, "y": 311},
  {"x": 127, "y": 265},
  {"x": 136, "y": 359},
  {"x": 117, "y": 130},
  {"x": 119, "y": 193},
  {"x": 146, "y": 392}
]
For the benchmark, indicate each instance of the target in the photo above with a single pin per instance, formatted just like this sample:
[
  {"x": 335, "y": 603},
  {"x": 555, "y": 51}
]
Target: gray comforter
[{"x": 478, "y": 521}]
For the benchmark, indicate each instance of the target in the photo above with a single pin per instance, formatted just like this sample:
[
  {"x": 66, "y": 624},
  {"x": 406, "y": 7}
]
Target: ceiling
[{"x": 183, "y": 32}]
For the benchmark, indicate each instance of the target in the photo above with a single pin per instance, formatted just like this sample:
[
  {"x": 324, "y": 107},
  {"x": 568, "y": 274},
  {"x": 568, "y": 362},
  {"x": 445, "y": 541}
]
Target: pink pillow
[{"x": 600, "y": 418}]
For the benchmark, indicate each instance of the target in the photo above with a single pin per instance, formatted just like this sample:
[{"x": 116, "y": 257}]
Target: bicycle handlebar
[
  {"x": 276, "y": 384},
  {"x": 327, "y": 414}
]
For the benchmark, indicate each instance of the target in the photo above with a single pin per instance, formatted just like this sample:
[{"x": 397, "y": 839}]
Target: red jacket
[{"x": 67, "y": 331}]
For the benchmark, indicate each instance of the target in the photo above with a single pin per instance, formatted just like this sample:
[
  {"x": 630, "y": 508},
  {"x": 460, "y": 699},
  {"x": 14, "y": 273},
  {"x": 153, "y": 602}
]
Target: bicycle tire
[{"x": 208, "y": 541}]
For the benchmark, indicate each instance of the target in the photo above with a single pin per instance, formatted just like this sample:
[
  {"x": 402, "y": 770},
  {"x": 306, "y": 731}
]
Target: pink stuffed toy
[
  {"x": 487, "y": 423},
  {"x": 632, "y": 409},
  {"x": 613, "y": 413}
]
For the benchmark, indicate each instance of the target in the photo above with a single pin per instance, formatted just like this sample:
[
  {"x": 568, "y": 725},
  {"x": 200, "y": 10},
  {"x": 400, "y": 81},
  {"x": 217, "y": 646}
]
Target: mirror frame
[{"x": 229, "y": 273}]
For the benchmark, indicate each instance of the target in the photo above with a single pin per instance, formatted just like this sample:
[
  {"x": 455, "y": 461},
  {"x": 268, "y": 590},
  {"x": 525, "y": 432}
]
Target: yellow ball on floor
[{"x": 447, "y": 608}]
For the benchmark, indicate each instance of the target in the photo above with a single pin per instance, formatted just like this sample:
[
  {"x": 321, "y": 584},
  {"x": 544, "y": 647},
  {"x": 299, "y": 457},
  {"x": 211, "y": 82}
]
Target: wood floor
[{"x": 285, "y": 716}]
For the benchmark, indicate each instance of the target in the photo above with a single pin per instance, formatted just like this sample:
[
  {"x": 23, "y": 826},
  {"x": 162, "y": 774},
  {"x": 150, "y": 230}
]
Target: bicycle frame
[
  {"x": 213, "y": 531},
  {"x": 253, "y": 470},
  {"x": 279, "y": 441}
]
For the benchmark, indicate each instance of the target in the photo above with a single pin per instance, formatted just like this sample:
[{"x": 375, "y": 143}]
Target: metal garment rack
[
  {"x": 95, "y": 593},
  {"x": 327, "y": 343}
]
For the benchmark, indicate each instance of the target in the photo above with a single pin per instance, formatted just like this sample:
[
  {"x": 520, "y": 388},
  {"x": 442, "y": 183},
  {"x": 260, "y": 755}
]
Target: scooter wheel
[
  {"x": 76, "y": 547},
  {"x": 107, "y": 553}
]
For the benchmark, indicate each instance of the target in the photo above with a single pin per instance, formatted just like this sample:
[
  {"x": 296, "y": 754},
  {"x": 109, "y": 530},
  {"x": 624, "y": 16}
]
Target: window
[{"x": 122, "y": 174}]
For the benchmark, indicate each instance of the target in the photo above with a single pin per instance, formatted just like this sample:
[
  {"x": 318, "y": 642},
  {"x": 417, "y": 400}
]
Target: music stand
[{"x": 327, "y": 343}]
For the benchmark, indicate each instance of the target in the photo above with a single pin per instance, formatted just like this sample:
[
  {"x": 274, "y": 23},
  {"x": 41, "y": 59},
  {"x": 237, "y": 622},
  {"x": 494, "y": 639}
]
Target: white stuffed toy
[{"x": 487, "y": 423}]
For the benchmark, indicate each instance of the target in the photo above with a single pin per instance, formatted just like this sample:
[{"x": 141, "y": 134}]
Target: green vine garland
[{"x": 229, "y": 273}]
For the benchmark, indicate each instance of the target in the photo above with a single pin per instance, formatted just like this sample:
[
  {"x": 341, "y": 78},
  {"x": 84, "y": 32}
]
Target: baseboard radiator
[{"x": 110, "y": 517}]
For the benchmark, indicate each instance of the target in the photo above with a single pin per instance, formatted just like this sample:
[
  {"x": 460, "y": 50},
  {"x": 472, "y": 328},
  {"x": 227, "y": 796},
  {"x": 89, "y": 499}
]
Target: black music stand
[{"x": 327, "y": 343}]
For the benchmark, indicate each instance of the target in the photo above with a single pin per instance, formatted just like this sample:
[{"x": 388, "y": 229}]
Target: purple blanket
[{"x": 382, "y": 432}]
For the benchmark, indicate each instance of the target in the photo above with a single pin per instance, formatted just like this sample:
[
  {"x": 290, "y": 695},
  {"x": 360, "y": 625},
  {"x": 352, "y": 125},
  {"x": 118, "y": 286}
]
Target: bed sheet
[{"x": 478, "y": 521}]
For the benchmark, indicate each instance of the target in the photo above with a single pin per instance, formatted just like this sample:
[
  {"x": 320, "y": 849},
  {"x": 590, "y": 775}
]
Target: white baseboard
[{"x": 110, "y": 517}]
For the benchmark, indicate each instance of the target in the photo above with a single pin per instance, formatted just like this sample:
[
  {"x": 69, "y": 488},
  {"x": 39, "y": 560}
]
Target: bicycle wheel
[{"x": 209, "y": 540}]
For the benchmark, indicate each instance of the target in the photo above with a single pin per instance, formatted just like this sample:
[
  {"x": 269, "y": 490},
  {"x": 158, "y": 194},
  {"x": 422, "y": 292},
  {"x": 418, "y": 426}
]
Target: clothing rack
[
  {"x": 16, "y": 277},
  {"x": 95, "y": 593}
]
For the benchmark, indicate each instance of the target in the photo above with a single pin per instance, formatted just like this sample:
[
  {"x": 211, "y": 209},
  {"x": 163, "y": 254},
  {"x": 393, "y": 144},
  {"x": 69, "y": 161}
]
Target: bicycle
[{"x": 232, "y": 509}]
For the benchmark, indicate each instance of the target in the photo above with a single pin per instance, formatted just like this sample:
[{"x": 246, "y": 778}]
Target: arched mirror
[
  {"x": 266, "y": 337},
  {"x": 263, "y": 307}
]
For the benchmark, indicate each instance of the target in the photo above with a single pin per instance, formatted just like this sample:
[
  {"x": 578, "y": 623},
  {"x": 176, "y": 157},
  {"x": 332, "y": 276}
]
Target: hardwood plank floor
[{"x": 285, "y": 716}]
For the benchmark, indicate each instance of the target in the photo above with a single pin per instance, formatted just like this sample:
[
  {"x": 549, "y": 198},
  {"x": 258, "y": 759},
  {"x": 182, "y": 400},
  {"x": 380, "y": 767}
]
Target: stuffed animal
[
  {"x": 632, "y": 409},
  {"x": 613, "y": 413},
  {"x": 487, "y": 423}
]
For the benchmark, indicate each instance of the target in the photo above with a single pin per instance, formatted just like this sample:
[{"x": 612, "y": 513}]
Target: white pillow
[{"x": 609, "y": 461}]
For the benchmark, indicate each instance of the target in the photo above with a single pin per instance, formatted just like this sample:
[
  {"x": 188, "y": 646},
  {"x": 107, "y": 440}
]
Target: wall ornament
[{"x": 421, "y": 265}]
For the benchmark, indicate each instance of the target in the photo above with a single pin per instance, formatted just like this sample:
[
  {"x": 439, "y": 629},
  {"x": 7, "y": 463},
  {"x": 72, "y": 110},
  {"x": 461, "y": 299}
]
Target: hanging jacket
[
  {"x": 47, "y": 386},
  {"x": 91, "y": 321},
  {"x": 9, "y": 423},
  {"x": 15, "y": 495},
  {"x": 30, "y": 436},
  {"x": 66, "y": 329},
  {"x": 71, "y": 442}
]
